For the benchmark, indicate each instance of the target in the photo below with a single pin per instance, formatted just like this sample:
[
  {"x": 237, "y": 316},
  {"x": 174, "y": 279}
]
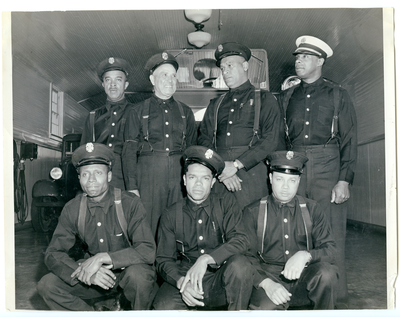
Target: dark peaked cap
[
  {"x": 205, "y": 156},
  {"x": 92, "y": 153},
  {"x": 161, "y": 59},
  {"x": 287, "y": 162},
  {"x": 231, "y": 48},
  {"x": 112, "y": 63}
]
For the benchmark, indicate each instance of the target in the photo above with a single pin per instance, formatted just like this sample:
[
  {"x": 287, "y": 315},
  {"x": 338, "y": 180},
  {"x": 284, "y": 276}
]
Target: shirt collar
[
  {"x": 161, "y": 102},
  {"x": 194, "y": 207},
  {"x": 104, "y": 203},
  {"x": 244, "y": 86},
  {"x": 316, "y": 83},
  {"x": 279, "y": 205},
  {"x": 121, "y": 103}
]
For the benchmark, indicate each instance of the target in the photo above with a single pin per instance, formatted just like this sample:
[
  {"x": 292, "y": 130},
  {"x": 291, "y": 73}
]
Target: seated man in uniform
[
  {"x": 120, "y": 245},
  {"x": 201, "y": 242},
  {"x": 291, "y": 246}
]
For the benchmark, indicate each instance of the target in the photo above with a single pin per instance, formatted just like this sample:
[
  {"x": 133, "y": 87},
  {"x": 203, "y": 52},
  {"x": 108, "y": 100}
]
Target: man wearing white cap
[{"x": 320, "y": 122}]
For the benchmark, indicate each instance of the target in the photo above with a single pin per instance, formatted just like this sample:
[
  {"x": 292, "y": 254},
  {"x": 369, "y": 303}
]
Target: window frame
[{"x": 59, "y": 113}]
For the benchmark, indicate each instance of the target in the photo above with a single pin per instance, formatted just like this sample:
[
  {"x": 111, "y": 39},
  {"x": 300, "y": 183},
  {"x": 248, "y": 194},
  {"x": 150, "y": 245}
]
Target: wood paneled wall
[
  {"x": 31, "y": 122},
  {"x": 31, "y": 94},
  {"x": 367, "y": 202}
]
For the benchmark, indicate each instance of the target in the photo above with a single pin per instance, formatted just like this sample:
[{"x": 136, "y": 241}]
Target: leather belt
[{"x": 159, "y": 153}]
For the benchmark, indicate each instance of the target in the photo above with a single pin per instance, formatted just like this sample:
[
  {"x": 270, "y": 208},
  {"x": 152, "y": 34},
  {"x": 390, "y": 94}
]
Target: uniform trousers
[
  {"x": 230, "y": 286},
  {"x": 117, "y": 179},
  {"x": 160, "y": 184},
  {"x": 137, "y": 282},
  {"x": 317, "y": 181},
  {"x": 316, "y": 286},
  {"x": 254, "y": 181}
]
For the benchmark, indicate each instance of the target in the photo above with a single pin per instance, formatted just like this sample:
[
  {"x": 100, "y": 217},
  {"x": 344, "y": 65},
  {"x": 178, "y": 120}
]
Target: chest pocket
[
  {"x": 177, "y": 125},
  {"x": 217, "y": 236},
  {"x": 118, "y": 241},
  {"x": 246, "y": 113},
  {"x": 325, "y": 114}
]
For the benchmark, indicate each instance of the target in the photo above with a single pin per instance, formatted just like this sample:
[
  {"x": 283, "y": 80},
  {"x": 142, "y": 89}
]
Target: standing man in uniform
[
  {"x": 162, "y": 127},
  {"x": 106, "y": 124},
  {"x": 291, "y": 245},
  {"x": 201, "y": 242},
  {"x": 243, "y": 127},
  {"x": 321, "y": 123},
  {"x": 120, "y": 247}
]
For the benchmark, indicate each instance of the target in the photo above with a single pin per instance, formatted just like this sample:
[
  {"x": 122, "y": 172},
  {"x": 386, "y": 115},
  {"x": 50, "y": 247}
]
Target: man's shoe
[{"x": 109, "y": 304}]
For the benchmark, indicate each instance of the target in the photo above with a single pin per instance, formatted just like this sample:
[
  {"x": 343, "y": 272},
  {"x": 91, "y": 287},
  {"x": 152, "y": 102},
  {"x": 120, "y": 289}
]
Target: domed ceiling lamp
[{"x": 199, "y": 38}]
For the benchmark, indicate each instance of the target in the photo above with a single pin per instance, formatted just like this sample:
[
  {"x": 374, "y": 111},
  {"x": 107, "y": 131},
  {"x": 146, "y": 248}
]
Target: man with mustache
[
  {"x": 106, "y": 124},
  {"x": 158, "y": 130},
  {"x": 120, "y": 247},
  {"x": 201, "y": 243},
  {"x": 320, "y": 122},
  {"x": 242, "y": 126}
]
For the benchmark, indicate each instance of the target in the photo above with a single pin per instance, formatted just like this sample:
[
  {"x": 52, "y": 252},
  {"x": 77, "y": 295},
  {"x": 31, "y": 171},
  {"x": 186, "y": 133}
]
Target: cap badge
[
  {"x": 164, "y": 56},
  {"x": 89, "y": 147},
  {"x": 111, "y": 60},
  {"x": 303, "y": 40},
  {"x": 220, "y": 48},
  {"x": 289, "y": 155},
  {"x": 209, "y": 154}
]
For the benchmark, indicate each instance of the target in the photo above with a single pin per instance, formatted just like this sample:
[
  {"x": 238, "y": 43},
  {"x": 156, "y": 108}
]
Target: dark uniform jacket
[
  {"x": 109, "y": 125},
  {"x": 236, "y": 121},
  {"x": 285, "y": 234},
  {"x": 309, "y": 118},
  {"x": 165, "y": 127},
  {"x": 201, "y": 234},
  {"x": 103, "y": 233}
]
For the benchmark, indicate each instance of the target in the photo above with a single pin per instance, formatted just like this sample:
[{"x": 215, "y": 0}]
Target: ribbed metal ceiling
[{"x": 65, "y": 47}]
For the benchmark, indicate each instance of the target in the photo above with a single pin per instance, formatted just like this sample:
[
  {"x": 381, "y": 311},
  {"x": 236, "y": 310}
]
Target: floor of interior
[{"x": 365, "y": 256}]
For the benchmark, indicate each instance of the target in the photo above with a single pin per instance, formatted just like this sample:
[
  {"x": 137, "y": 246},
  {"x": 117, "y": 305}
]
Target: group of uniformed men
[{"x": 222, "y": 240}]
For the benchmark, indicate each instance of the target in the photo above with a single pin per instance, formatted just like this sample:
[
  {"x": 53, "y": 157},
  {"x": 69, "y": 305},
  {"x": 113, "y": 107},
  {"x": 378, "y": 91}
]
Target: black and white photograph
[{"x": 200, "y": 160}]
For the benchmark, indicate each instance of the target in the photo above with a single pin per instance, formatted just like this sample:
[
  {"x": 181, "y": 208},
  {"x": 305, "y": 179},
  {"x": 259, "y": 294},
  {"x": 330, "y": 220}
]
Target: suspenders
[
  {"x": 256, "y": 124},
  {"x": 145, "y": 122},
  {"x": 91, "y": 118},
  {"x": 336, "y": 102},
  {"x": 118, "y": 208},
  {"x": 92, "y": 121},
  {"x": 219, "y": 101},
  {"x": 285, "y": 104},
  {"x": 262, "y": 224},
  {"x": 257, "y": 110},
  {"x": 216, "y": 212}
]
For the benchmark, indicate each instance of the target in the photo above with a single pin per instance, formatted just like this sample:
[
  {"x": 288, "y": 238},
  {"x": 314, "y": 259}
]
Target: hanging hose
[{"x": 20, "y": 194}]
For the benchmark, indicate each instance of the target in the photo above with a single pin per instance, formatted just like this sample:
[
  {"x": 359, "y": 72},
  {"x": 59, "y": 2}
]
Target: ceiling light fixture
[{"x": 199, "y": 38}]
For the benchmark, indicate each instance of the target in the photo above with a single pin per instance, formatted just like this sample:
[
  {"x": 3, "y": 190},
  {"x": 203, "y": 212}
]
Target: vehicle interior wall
[
  {"x": 31, "y": 100},
  {"x": 365, "y": 85},
  {"x": 31, "y": 123}
]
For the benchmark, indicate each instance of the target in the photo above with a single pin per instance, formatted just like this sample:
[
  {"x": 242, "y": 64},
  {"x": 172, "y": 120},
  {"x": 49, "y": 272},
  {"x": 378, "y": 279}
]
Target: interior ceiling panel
[{"x": 65, "y": 47}]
